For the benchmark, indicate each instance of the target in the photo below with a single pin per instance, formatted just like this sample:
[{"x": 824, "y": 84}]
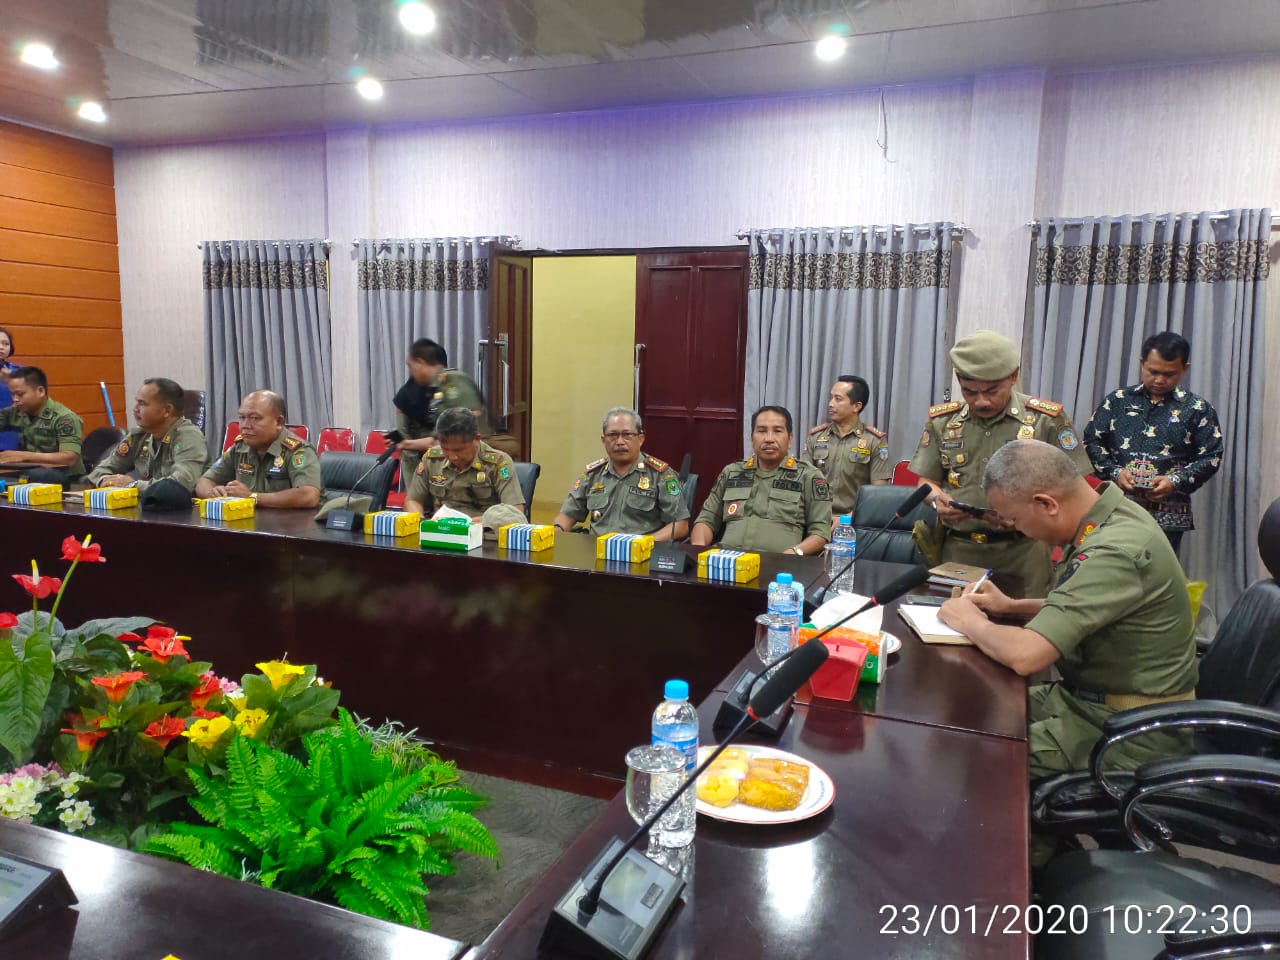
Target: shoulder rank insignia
[
  {"x": 1047, "y": 407},
  {"x": 749, "y": 463},
  {"x": 656, "y": 464},
  {"x": 790, "y": 463},
  {"x": 1088, "y": 529},
  {"x": 421, "y": 464},
  {"x": 878, "y": 434},
  {"x": 491, "y": 456},
  {"x": 436, "y": 451},
  {"x": 291, "y": 443},
  {"x": 596, "y": 463},
  {"x": 819, "y": 428},
  {"x": 944, "y": 409}
]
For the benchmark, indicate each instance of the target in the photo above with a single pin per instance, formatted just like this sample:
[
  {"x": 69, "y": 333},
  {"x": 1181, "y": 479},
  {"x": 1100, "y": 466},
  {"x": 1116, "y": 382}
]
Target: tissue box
[
  {"x": 627, "y": 547},
  {"x": 391, "y": 523},
  {"x": 526, "y": 536},
  {"x": 873, "y": 666},
  {"x": 36, "y": 494},
  {"x": 452, "y": 533},
  {"x": 112, "y": 498},
  {"x": 226, "y": 508},
  {"x": 732, "y": 565}
]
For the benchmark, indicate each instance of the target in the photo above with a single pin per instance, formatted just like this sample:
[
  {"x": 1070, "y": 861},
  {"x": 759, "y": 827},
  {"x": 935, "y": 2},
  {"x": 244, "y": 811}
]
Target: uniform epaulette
[
  {"x": 436, "y": 451},
  {"x": 491, "y": 456},
  {"x": 594, "y": 464},
  {"x": 1047, "y": 407},
  {"x": 819, "y": 428},
  {"x": 944, "y": 409},
  {"x": 657, "y": 464},
  {"x": 291, "y": 443},
  {"x": 749, "y": 463},
  {"x": 789, "y": 463},
  {"x": 878, "y": 434}
]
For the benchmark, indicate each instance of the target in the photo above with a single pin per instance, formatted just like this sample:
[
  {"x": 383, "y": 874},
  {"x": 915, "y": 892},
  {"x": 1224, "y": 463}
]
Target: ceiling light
[
  {"x": 39, "y": 55},
  {"x": 91, "y": 110},
  {"x": 417, "y": 17},
  {"x": 830, "y": 47},
  {"x": 369, "y": 88}
]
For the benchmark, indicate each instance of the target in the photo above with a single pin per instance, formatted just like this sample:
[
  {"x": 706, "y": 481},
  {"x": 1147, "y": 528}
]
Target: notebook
[
  {"x": 955, "y": 574},
  {"x": 924, "y": 621}
]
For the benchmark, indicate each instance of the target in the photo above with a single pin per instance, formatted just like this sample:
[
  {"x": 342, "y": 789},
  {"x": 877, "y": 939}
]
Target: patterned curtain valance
[
  {"x": 265, "y": 265},
  {"x": 427, "y": 274},
  {"x": 851, "y": 271}
]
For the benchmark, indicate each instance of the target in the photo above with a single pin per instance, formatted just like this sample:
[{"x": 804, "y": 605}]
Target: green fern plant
[{"x": 355, "y": 824}]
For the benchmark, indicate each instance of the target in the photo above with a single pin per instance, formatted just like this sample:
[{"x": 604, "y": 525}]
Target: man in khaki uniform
[
  {"x": 51, "y": 433},
  {"x": 164, "y": 444},
  {"x": 771, "y": 501},
  {"x": 626, "y": 491},
  {"x": 433, "y": 387},
  {"x": 463, "y": 472},
  {"x": 1117, "y": 624},
  {"x": 266, "y": 461},
  {"x": 848, "y": 451},
  {"x": 960, "y": 438}
]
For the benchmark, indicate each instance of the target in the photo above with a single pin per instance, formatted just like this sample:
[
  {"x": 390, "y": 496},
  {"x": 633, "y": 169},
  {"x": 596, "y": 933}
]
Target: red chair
[
  {"x": 298, "y": 429},
  {"x": 233, "y": 432},
  {"x": 376, "y": 443},
  {"x": 903, "y": 477},
  {"x": 336, "y": 438}
]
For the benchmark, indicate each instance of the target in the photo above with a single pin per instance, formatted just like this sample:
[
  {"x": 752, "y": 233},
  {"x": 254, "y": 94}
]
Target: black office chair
[
  {"x": 689, "y": 490},
  {"x": 527, "y": 474},
  {"x": 340, "y": 471},
  {"x": 875, "y": 506},
  {"x": 193, "y": 407},
  {"x": 98, "y": 444}
]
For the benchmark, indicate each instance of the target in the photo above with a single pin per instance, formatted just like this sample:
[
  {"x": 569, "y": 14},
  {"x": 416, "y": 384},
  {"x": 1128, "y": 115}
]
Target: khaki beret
[
  {"x": 985, "y": 355},
  {"x": 499, "y": 515}
]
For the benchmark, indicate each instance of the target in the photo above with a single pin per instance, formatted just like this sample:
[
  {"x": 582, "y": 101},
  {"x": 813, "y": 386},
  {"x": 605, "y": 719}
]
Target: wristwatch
[{"x": 797, "y": 551}]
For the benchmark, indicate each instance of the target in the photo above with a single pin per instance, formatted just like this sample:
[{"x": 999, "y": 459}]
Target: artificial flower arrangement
[{"x": 111, "y": 729}]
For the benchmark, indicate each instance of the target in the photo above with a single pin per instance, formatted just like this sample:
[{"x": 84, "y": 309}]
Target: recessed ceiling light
[
  {"x": 830, "y": 47},
  {"x": 417, "y": 17},
  {"x": 369, "y": 88},
  {"x": 91, "y": 110},
  {"x": 39, "y": 55}
]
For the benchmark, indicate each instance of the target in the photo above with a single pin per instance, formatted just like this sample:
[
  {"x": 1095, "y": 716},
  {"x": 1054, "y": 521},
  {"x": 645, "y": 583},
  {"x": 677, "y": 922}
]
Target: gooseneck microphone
[
  {"x": 344, "y": 518},
  {"x": 914, "y": 500}
]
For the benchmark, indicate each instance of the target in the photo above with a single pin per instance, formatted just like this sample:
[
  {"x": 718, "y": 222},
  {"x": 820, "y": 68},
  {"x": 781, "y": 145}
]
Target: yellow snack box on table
[
  {"x": 226, "y": 508},
  {"x": 392, "y": 523},
  {"x": 735, "y": 566},
  {"x": 35, "y": 494},
  {"x": 626, "y": 547},
  {"x": 111, "y": 498},
  {"x": 526, "y": 536}
]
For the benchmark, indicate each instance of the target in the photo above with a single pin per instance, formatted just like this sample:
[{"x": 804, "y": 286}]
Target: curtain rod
[
  {"x": 385, "y": 241},
  {"x": 274, "y": 243},
  {"x": 957, "y": 230},
  {"x": 1077, "y": 221}
]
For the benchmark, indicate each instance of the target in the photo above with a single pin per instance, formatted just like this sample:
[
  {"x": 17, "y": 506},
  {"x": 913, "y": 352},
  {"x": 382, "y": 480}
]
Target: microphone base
[
  {"x": 734, "y": 707},
  {"x": 637, "y": 901},
  {"x": 668, "y": 558},
  {"x": 340, "y": 520}
]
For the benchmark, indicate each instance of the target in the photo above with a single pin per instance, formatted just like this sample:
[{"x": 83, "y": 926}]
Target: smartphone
[
  {"x": 969, "y": 508},
  {"x": 928, "y": 599}
]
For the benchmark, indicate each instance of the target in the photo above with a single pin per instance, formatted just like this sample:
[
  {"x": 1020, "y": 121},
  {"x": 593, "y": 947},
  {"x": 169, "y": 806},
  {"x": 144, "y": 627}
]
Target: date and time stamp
[{"x": 914, "y": 920}]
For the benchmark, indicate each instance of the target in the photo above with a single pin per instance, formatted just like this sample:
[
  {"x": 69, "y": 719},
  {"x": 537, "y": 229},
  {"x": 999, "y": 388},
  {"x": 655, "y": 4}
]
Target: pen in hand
[{"x": 980, "y": 581}]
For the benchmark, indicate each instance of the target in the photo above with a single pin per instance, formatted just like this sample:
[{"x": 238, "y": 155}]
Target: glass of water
[
  {"x": 774, "y": 637},
  {"x": 654, "y": 773}
]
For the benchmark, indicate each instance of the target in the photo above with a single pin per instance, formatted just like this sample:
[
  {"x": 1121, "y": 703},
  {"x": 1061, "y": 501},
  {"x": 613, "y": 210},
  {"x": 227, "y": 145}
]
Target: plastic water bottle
[
  {"x": 675, "y": 722},
  {"x": 844, "y": 547},
  {"x": 787, "y": 603}
]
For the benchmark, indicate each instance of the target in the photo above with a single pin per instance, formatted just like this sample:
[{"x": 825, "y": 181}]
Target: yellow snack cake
[
  {"x": 526, "y": 536},
  {"x": 111, "y": 498},
  {"x": 626, "y": 547},
  {"x": 717, "y": 789},
  {"x": 392, "y": 523},
  {"x": 36, "y": 494},
  {"x": 735, "y": 566},
  {"x": 226, "y": 508}
]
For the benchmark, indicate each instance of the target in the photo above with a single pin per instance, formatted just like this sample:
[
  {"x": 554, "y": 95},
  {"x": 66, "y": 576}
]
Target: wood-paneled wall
[{"x": 59, "y": 269}]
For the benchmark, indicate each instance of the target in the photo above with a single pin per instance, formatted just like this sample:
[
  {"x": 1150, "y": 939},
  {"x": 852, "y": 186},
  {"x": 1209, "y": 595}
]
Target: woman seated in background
[{"x": 8, "y": 438}]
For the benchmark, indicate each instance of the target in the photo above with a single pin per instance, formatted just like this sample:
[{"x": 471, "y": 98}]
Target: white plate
[
  {"x": 818, "y": 795},
  {"x": 889, "y": 643}
]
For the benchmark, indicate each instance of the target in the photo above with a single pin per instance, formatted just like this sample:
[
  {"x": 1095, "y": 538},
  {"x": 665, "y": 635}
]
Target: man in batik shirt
[{"x": 1157, "y": 441}]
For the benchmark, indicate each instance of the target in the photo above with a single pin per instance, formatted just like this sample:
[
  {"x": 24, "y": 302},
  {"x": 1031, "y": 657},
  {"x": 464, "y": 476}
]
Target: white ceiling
[{"x": 172, "y": 70}]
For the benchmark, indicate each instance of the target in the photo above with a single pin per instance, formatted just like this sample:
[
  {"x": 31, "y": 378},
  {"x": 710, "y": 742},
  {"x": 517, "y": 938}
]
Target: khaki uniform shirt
[
  {"x": 1120, "y": 614},
  {"x": 455, "y": 389},
  {"x": 860, "y": 456},
  {"x": 289, "y": 462},
  {"x": 643, "y": 500},
  {"x": 55, "y": 429},
  {"x": 491, "y": 479},
  {"x": 181, "y": 454},
  {"x": 749, "y": 509}
]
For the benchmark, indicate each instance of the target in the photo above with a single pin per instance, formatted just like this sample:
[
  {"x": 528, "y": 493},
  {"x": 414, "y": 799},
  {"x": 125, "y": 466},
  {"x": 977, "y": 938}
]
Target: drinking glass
[
  {"x": 774, "y": 637},
  {"x": 654, "y": 773}
]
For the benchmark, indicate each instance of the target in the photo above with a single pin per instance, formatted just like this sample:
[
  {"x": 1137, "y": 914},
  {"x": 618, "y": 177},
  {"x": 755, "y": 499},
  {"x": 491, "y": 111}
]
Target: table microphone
[
  {"x": 634, "y": 913},
  {"x": 914, "y": 500},
  {"x": 344, "y": 518}
]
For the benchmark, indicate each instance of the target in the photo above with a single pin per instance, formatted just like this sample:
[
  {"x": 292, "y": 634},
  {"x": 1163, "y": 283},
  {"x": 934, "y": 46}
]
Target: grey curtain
[
  {"x": 437, "y": 288},
  {"x": 1098, "y": 288},
  {"x": 870, "y": 301},
  {"x": 266, "y": 322}
]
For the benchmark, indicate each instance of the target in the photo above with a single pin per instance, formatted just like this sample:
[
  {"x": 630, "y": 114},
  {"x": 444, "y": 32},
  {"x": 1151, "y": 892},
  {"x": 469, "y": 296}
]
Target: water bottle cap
[
  {"x": 846, "y": 520},
  {"x": 676, "y": 690},
  {"x": 783, "y": 578}
]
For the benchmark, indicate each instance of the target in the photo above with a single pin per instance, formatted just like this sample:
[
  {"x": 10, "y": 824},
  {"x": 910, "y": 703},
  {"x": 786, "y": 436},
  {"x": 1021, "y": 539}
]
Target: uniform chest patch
[{"x": 793, "y": 485}]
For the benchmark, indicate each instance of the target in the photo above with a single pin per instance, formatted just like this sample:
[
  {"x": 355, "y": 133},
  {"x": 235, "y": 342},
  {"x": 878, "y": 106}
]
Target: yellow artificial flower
[
  {"x": 237, "y": 700},
  {"x": 205, "y": 733},
  {"x": 280, "y": 672},
  {"x": 250, "y": 721}
]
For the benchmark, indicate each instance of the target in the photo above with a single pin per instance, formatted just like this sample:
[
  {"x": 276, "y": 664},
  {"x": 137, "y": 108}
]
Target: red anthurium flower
[
  {"x": 200, "y": 713},
  {"x": 7, "y": 620},
  {"x": 161, "y": 642},
  {"x": 86, "y": 740},
  {"x": 117, "y": 686},
  {"x": 155, "y": 630},
  {"x": 164, "y": 729},
  {"x": 36, "y": 585},
  {"x": 208, "y": 688},
  {"x": 73, "y": 549}
]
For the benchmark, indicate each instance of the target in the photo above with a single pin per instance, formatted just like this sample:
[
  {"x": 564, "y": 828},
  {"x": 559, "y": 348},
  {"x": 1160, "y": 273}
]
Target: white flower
[
  {"x": 18, "y": 799},
  {"x": 77, "y": 816},
  {"x": 70, "y": 786}
]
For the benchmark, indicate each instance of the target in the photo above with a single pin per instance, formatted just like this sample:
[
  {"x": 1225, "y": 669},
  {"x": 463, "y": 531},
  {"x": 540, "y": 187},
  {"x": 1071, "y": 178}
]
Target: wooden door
[
  {"x": 505, "y": 356},
  {"x": 691, "y": 341}
]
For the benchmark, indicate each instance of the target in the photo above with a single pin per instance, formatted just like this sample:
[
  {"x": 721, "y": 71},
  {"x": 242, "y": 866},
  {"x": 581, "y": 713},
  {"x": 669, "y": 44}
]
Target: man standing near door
[
  {"x": 848, "y": 451},
  {"x": 433, "y": 386}
]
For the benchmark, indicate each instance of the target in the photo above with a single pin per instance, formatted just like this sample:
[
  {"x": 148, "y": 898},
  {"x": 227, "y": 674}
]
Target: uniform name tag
[
  {"x": 788, "y": 485},
  {"x": 740, "y": 482}
]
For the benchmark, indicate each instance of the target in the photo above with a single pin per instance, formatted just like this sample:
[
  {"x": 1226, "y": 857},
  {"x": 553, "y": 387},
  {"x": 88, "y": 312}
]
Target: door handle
[
  {"x": 506, "y": 380},
  {"x": 635, "y": 391}
]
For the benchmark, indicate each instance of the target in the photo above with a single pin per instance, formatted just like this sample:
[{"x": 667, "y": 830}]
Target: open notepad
[{"x": 924, "y": 621}]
